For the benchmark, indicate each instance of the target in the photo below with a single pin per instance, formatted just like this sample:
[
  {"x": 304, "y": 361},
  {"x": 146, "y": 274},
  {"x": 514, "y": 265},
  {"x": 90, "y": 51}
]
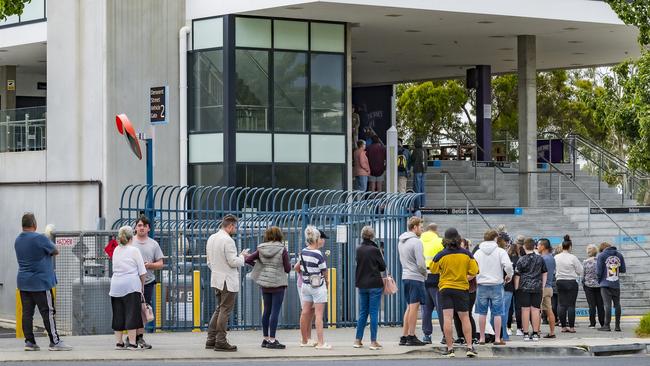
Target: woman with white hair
[
  {"x": 592, "y": 288},
  {"x": 314, "y": 288},
  {"x": 370, "y": 265},
  {"x": 127, "y": 286}
]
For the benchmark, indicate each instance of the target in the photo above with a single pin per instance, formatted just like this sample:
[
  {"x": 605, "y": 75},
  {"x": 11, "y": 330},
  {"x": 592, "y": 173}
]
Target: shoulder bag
[
  {"x": 147, "y": 312},
  {"x": 390, "y": 287},
  {"x": 314, "y": 280}
]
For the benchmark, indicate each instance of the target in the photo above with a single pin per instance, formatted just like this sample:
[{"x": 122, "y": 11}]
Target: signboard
[
  {"x": 550, "y": 150},
  {"x": 11, "y": 84},
  {"x": 620, "y": 210},
  {"x": 158, "y": 99},
  {"x": 341, "y": 234},
  {"x": 491, "y": 164},
  {"x": 66, "y": 241},
  {"x": 624, "y": 239},
  {"x": 472, "y": 211}
]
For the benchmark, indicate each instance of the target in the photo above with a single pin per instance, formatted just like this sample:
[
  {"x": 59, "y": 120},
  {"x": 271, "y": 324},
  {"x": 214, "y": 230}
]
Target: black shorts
[
  {"x": 454, "y": 299},
  {"x": 529, "y": 299},
  {"x": 127, "y": 312}
]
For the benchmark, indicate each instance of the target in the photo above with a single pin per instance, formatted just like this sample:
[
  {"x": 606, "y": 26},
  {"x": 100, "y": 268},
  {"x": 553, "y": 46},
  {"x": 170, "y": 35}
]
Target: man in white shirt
[
  {"x": 492, "y": 263},
  {"x": 224, "y": 264}
]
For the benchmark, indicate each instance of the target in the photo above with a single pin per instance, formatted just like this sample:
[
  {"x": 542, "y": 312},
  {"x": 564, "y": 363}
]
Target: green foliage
[
  {"x": 643, "y": 329},
  {"x": 634, "y": 12},
  {"x": 11, "y": 7}
]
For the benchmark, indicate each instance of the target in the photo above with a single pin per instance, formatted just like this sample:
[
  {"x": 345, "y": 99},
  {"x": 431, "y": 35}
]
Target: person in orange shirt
[
  {"x": 361, "y": 167},
  {"x": 456, "y": 266}
]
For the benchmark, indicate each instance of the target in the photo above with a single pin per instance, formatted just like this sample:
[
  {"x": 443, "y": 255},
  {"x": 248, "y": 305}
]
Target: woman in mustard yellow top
[{"x": 456, "y": 266}]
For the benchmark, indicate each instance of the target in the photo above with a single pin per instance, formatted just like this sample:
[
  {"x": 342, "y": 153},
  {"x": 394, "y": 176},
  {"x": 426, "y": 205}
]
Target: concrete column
[
  {"x": 527, "y": 108},
  {"x": 7, "y": 97}
]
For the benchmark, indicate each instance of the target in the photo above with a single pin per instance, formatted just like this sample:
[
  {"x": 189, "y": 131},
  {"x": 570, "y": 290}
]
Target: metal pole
[
  {"x": 600, "y": 168},
  {"x": 149, "y": 199},
  {"x": 573, "y": 148},
  {"x": 445, "y": 190},
  {"x": 589, "y": 217},
  {"x": 559, "y": 190},
  {"x": 494, "y": 186},
  {"x": 467, "y": 221},
  {"x": 623, "y": 190}
]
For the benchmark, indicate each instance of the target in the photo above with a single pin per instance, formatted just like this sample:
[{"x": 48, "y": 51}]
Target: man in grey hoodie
[
  {"x": 493, "y": 262},
  {"x": 414, "y": 273}
]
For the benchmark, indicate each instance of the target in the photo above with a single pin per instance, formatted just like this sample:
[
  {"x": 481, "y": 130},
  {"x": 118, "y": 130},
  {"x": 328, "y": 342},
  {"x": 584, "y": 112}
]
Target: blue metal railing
[
  {"x": 23, "y": 129},
  {"x": 185, "y": 216}
]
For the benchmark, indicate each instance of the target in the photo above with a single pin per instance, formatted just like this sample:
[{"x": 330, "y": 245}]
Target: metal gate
[{"x": 183, "y": 217}]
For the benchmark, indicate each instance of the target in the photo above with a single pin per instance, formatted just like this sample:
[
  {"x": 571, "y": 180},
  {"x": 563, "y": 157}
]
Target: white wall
[{"x": 26, "y": 84}]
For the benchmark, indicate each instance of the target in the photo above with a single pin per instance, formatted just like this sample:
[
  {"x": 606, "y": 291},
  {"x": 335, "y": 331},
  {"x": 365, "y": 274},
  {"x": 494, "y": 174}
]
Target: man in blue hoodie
[{"x": 609, "y": 265}]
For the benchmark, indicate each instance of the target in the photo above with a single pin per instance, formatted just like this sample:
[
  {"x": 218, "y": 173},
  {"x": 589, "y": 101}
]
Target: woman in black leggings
[{"x": 567, "y": 270}]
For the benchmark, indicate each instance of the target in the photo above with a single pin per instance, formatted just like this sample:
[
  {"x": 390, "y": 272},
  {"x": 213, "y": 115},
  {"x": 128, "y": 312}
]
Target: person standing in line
[
  {"x": 568, "y": 270},
  {"x": 377, "y": 158},
  {"x": 508, "y": 291},
  {"x": 224, "y": 264},
  {"x": 432, "y": 244},
  {"x": 403, "y": 166},
  {"x": 492, "y": 262},
  {"x": 153, "y": 261},
  {"x": 126, "y": 292},
  {"x": 370, "y": 285},
  {"x": 361, "y": 167},
  {"x": 418, "y": 161},
  {"x": 270, "y": 267},
  {"x": 592, "y": 288},
  {"x": 414, "y": 273},
  {"x": 546, "y": 251},
  {"x": 609, "y": 266},
  {"x": 314, "y": 288},
  {"x": 35, "y": 280},
  {"x": 456, "y": 267},
  {"x": 473, "y": 286},
  {"x": 518, "y": 250},
  {"x": 530, "y": 279}
]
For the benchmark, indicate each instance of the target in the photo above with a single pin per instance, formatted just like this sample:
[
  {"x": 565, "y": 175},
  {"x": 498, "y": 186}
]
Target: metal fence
[
  {"x": 184, "y": 217},
  {"x": 23, "y": 129}
]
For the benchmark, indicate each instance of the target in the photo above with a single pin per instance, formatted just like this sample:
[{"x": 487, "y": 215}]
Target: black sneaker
[
  {"x": 605, "y": 329},
  {"x": 474, "y": 340},
  {"x": 29, "y": 346},
  {"x": 131, "y": 347},
  {"x": 402, "y": 340},
  {"x": 460, "y": 341},
  {"x": 471, "y": 353},
  {"x": 535, "y": 337},
  {"x": 414, "y": 341},
  {"x": 120, "y": 346},
  {"x": 275, "y": 345},
  {"x": 224, "y": 347},
  {"x": 527, "y": 337},
  {"x": 142, "y": 344},
  {"x": 618, "y": 328},
  {"x": 265, "y": 343},
  {"x": 443, "y": 341},
  {"x": 449, "y": 353}
]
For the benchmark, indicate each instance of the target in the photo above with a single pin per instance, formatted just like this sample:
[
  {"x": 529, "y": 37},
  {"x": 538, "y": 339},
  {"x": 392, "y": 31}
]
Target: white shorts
[{"x": 316, "y": 295}]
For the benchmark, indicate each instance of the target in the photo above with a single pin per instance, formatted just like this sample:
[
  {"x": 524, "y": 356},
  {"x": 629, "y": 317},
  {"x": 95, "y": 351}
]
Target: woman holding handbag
[
  {"x": 368, "y": 280},
  {"x": 270, "y": 267},
  {"x": 127, "y": 284}
]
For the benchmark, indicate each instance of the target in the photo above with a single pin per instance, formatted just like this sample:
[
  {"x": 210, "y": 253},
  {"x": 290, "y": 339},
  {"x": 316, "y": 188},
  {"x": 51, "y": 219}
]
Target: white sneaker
[
  {"x": 309, "y": 343},
  {"x": 520, "y": 332},
  {"x": 509, "y": 331}
]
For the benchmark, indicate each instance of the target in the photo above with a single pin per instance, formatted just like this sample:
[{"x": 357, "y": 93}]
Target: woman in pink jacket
[{"x": 361, "y": 169}]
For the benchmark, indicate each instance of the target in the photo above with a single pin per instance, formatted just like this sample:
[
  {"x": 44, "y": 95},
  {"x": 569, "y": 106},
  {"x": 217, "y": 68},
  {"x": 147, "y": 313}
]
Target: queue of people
[{"x": 440, "y": 273}]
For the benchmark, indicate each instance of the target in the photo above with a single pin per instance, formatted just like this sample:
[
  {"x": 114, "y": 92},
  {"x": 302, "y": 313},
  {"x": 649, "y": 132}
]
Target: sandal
[
  {"x": 324, "y": 346},
  {"x": 309, "y": 343},
  {"x": 500, "y": 343},
  {"x": 549, "y": 336},
  {"x": 571, "y": 330}
]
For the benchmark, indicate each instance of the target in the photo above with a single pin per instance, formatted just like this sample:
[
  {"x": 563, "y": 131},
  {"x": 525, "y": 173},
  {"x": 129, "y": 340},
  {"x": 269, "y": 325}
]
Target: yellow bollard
[
  {"x": 19, "y": 316},
  {"x": 158, "y": 290},
  {"x": 196, "y": 300},
  {"x": 331, "y": 312}
]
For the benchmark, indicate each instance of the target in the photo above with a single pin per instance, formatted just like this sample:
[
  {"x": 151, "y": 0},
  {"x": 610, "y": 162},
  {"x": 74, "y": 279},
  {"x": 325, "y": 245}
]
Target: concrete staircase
[{"x": 551, "y": 219}]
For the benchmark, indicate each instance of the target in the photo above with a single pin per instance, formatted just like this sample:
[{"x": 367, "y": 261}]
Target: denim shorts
[
  {"x": 316, "y": 295},
  {"x": 413, "y": 291},
  {"x": 489, "y": 296}
]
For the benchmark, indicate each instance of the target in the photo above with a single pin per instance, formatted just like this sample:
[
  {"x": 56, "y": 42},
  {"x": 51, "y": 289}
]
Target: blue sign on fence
[
  {"x": 519, "y": 211},
  {"x": 624, "y": 239}
]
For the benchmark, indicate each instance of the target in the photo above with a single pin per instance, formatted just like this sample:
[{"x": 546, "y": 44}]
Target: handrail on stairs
[
  {"x": 469, "y": 200},
  {"x": 597, "y": 206}
]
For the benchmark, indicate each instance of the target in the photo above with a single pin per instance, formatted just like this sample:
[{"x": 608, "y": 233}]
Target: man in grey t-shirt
[{"x": 153, "y": 260}]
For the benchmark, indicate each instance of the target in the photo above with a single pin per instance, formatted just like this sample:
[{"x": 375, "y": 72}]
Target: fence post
[
  {"x": 589, "y": 218},
  {"x": 19, "y": 316},
  {"x": 196, "y": 301},
  {"x": 332, "y": 295},
  {"x": 158, "y": 308}
]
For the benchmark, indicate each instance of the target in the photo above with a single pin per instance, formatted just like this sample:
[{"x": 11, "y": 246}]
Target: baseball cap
[{"x": 322, "y": 234}]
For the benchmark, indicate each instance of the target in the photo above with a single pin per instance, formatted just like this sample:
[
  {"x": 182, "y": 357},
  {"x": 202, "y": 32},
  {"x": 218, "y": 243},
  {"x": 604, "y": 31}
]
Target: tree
[
  {"x": 11, "y": 7},
  {"x": 634, "y": 12}
]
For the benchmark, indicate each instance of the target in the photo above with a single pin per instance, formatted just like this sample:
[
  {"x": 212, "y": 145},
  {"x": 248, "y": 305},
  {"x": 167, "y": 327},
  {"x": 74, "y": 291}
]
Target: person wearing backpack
[
  {"x": 418, "y": 161},
  {"x": 403, "y": 166}
]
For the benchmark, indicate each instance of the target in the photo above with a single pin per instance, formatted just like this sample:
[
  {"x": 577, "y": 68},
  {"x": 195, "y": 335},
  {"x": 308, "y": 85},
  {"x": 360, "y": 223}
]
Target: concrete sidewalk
[{"x": 190, "y": 346}]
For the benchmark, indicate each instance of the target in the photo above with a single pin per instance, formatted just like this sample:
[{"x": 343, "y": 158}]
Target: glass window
[
  {"x": 327, "y": 93},
  {"x": 326, "y": 176},
  {"x": 328, "y": 149},
  {"x": 206, "y": 148},
  {"x": 290, "y": 91},
  {"x": 254, "y": 175},
  {"x": 252, "y": 90},
  {"x": 327, "y": 37},
  {"x": 291, "y": 148},
  {"x": 206, "y": 91},
  {"x": 291, "y": 176},
  {"x": 253, "y": 32},
  {"x": 253, "y": 147},
  {"x": 290, "y": 35},
  {"x": 35, "y": 9},
  {"x": 207, "y": 33},
  {"x": 206, "y": 175}
]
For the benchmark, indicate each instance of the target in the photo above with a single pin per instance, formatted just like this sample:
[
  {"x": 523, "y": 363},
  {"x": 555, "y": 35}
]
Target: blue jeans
[
  {"x": 361, "y": 183},
  {"x": 507, "y": 301},
  {"x": 418, "y": 187},
  {"x": 369, "y": 300},
  {"x": 431, "y": 301},
  {"x": 272, "y": 307}
]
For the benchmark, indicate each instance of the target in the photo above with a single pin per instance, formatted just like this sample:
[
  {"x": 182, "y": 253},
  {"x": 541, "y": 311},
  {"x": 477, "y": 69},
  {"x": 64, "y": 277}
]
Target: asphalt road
[{"x": 639, "y": 360}]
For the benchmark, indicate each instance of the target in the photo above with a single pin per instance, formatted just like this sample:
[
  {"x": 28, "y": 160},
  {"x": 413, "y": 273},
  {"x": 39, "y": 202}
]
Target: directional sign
[{"x": 158, "y": 99}]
